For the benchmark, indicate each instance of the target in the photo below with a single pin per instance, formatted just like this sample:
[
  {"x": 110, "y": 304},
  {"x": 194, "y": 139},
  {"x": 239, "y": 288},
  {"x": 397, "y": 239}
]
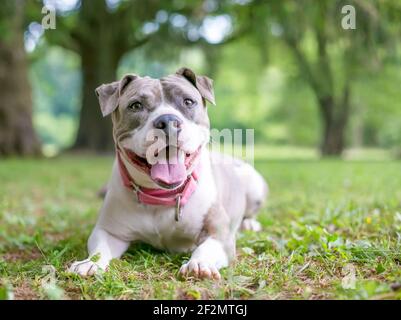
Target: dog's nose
[{"x": 169, "y": 123}]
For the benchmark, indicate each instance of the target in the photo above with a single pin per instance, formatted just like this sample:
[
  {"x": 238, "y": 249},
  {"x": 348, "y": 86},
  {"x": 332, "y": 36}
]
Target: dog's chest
[{"x": 159, "y": 228}]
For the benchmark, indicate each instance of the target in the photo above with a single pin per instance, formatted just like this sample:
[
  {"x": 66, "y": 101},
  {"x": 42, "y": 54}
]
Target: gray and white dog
[{"x": 192, "y": 201}]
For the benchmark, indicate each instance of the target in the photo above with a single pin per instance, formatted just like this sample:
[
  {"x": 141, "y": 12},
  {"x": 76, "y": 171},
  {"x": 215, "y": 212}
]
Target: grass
[{"x": 332, "y": 230}]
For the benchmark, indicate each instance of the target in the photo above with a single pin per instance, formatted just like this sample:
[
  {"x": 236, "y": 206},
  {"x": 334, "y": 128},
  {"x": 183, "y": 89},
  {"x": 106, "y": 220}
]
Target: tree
[
  {"x": 329, "y": 58},
  {"x": 100, "y": 36},
  {"x": 17, "y": 134}
]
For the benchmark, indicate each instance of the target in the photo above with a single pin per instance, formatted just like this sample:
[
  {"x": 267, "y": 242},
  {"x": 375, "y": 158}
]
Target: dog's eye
[
  {"x": 135, "y": 106},
  {"x": 189, "y": 103}
]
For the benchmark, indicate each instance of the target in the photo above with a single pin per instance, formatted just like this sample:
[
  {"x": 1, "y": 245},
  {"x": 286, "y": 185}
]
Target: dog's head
[{"x": 161, "y": 121}]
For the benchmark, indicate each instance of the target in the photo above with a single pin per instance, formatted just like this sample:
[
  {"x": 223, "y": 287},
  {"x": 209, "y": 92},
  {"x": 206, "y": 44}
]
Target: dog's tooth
[{"x": 181, "y": 156}]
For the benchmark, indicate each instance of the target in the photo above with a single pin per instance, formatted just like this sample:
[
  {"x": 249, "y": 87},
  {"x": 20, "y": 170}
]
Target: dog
[{"x": 190, "y": 200}]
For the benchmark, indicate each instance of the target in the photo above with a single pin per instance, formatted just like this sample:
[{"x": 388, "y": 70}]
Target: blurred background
[{"x": 288, "y": 69}]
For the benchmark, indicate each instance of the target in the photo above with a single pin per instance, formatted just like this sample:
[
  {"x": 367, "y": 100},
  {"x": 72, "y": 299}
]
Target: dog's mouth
[{"x": 170, "y": 170}]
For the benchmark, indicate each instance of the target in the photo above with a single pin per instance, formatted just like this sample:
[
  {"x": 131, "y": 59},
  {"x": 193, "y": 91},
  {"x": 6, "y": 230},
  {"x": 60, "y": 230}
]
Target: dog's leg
[
  {"x": 256, "y": 193},
  {"x": 102, "y": 247},
  {"x": 217, "y": 248},
  {"x": 206, "y": 260},
  {"x": 251, "y": 224}
]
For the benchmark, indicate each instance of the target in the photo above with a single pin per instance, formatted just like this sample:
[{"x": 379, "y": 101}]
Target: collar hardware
[{"x": 178, "y": 209}]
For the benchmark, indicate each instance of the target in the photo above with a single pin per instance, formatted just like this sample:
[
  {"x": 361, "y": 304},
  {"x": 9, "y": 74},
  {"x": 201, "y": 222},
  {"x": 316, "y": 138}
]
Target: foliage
[{"x": 272, "y": 99}]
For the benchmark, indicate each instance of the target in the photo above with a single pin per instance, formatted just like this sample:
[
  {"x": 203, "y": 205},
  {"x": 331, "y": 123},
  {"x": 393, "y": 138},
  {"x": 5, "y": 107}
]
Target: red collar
[{"x": 176, "y": 197}]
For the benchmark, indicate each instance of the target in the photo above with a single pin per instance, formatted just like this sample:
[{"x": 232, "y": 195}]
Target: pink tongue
[{"x": 168, "y": 173}]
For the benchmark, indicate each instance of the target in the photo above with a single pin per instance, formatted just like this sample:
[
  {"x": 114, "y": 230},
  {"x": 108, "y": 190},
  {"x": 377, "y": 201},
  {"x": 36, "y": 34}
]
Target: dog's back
[{"x": 243, "y": 189}]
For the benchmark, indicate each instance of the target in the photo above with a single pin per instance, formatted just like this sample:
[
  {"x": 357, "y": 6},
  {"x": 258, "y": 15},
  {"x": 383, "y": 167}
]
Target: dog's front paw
[
  {"x": 251, "y": 225},
  {"x": 86, "y": 267},
  {"x": 200, "y": 269}
]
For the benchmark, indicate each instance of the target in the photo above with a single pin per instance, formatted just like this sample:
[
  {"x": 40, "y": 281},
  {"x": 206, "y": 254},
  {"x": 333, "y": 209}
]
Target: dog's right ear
[{"x": 108, "y": 94}]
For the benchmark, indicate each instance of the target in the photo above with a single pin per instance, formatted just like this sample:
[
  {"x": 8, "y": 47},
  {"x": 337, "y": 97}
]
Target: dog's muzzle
[{"x": 173, "y": 197}]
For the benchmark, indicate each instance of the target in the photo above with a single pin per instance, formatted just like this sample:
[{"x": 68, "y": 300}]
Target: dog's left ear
[
  {"x": 108, "y": 94},
  {"x": 202, "y": 83}
]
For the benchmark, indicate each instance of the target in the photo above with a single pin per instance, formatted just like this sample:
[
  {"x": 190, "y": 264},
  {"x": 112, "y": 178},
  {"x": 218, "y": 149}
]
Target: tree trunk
[
  {"x": 100, "y": 54},
  {"x": 101, "y": 36},
  {"x": 17, "y": 134},
  {"x": 334, "y": 118},
  {"x": 333, "y": 138},
  {"x": 94, "y": 131}
]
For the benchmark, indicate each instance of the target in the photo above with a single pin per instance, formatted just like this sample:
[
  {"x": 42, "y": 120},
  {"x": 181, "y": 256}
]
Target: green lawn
[{"x": 325, "y": 220}]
